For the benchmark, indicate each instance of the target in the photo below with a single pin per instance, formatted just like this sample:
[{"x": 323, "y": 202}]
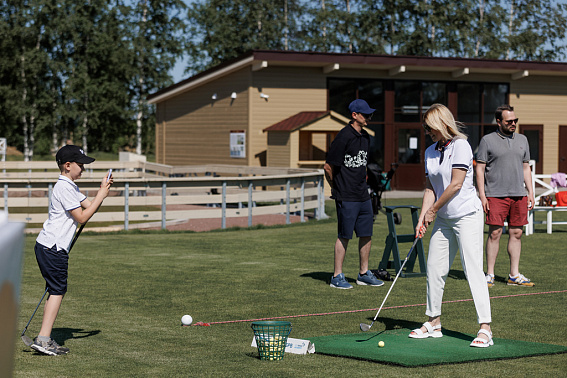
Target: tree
[
  {"x": 157, "y": 42},
  {"x": 536, "y": 30},
  {"x": 224, "y": 29}
]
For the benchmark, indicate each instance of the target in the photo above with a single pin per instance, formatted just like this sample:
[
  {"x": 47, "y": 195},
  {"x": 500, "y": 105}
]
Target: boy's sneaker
[
  {"x": 368, "y": 279},
  {"x": 340, "y": 282},
  {"x": 490, "y": 280},
  {"x": 50, "y": 347},
  {"x": 519, "y": 280}
]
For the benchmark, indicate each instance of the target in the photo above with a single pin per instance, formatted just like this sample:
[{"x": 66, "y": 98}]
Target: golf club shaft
[
  {"x": 395, "y": 279},
  {"x": 43, "y": 296},
  {"x": 29, "y": 321}
]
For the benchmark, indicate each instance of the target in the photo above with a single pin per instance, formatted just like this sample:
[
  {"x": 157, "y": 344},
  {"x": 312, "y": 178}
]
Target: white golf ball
[{"x": 186, "y": 320}]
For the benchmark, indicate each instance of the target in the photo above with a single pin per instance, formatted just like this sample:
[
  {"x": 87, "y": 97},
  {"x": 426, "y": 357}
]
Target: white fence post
[
  {"x": 223, "y": 221},
  {"x": 287, "y": 201},
  {"x": 126, "y": 204},
  {"x": 250, "y": 186},
  {"x": 163, "y": 204}
]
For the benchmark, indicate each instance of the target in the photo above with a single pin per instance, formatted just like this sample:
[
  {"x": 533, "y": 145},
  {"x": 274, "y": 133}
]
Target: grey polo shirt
[{"x": 504, "y": 157}]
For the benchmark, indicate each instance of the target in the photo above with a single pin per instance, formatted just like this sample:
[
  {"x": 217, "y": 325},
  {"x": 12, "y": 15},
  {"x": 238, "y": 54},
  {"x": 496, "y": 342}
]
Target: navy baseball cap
[
  {"x": 360, "y": 106},
  {"x": 71, "y": 153}
]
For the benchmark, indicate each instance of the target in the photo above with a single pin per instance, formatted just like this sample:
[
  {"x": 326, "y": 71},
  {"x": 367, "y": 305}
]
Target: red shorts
[{"x": 513, "y": 209}]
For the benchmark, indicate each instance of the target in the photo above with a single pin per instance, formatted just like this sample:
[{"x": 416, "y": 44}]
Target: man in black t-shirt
[{"x": 345, "y": 171}]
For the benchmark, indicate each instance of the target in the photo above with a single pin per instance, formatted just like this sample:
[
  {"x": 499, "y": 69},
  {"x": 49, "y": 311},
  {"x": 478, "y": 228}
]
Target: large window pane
[
  {"x": 469, "y": 103},
  {"x": 406, "y": 103},
  {"x": 473, "y": 133},
  {"x": 341, "y": 93},
  {"x": 377, "y": 145},
  {"x": 433, "y": 93},
  {"x": 372, "y": 91},
  {"x": 494, "y": 96}
]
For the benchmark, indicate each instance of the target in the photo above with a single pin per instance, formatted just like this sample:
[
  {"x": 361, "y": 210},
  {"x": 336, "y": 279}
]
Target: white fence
[
  {"x": 549, "y": 210},
  {"x": 176, "y": 193}
]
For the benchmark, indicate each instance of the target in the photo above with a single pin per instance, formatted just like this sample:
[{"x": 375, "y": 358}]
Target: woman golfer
[{"x": 451, "y": 197}]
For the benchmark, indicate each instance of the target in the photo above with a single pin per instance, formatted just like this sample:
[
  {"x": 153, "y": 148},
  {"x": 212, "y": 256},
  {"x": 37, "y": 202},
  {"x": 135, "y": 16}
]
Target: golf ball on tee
[
  {"x": 186, "y": 320},
  {"x": 381, "y": 344}
]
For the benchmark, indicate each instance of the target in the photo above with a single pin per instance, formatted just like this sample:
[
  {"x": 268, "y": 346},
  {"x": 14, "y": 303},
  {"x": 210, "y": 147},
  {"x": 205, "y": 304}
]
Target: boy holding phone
[{"x": 68, "y": 207}]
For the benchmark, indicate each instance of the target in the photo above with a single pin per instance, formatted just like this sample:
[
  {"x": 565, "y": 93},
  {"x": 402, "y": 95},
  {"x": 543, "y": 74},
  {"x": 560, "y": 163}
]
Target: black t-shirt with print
[{"x": 349, "y": 154}]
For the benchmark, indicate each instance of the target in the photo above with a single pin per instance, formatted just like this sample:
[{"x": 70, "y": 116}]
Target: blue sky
[{"x": 177, "y": 71}]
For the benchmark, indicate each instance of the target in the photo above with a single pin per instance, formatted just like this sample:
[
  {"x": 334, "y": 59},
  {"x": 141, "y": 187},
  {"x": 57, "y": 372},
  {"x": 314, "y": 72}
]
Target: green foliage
[
  {"x": 82, "y": 70},
  {"x": 128, "y": 291},
  {"x": 221, "y": 29}
]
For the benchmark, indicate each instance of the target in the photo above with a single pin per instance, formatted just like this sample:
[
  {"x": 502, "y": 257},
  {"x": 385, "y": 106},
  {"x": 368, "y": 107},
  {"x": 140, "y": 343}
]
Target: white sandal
[
  {"x": 431, "y": 332},
  {"x": 480, "y": 342}
]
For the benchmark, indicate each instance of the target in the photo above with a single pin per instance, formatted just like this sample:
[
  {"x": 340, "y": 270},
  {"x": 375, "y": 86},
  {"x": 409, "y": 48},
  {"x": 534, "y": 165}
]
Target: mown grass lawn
[{"x": 128, "y": 291}]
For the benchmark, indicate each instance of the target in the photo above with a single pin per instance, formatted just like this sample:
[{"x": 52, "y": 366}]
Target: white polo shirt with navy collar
[
  {"x": 439, "y": 164},
  {"x": 60, "y": 226}
]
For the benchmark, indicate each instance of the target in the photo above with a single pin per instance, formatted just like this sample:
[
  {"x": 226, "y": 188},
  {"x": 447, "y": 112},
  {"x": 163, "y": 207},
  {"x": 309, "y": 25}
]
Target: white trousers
[{"x": 448, "y": 236}]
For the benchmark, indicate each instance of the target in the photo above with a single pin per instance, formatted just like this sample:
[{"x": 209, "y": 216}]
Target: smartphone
[{"x": 109, "y": 174}]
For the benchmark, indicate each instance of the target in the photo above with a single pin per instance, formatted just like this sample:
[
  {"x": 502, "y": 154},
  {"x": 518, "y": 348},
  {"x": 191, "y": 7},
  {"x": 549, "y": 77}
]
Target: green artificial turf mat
[{"x": 399, "y": 349}]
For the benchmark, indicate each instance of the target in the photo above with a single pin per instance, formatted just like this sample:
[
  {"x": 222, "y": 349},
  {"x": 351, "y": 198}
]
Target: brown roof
[{"x": 297, "y": 121}]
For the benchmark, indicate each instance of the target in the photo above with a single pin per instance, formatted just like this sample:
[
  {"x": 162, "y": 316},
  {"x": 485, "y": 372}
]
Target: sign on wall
[{"x": 237, "y": 144}]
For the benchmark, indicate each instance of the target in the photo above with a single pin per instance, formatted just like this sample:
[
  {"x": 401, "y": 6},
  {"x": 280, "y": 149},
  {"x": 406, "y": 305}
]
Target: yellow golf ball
[{"x": 381, "y": 344}]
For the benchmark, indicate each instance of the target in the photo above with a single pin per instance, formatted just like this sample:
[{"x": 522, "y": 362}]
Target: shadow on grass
[
  {"x": 457, "y": 274},
  {"x": 324, "y": 276},
  {"x": 320, "y": 276},
  {"x": 390, "y": 324},
  {"x": 63, "y": 334}
]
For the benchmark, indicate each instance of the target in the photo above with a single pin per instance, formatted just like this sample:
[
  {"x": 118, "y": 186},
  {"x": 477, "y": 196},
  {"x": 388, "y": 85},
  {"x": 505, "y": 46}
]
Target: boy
[{"x": 68, "y": 207}]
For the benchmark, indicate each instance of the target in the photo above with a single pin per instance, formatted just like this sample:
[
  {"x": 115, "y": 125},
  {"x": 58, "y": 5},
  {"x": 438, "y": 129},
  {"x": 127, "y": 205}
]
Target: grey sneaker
[
  {"x": 368, "y": 279},
  {"x": 340, "y": 282},
  {"x": 60, "y": 349},
  {"x": 50, "y": 347}
]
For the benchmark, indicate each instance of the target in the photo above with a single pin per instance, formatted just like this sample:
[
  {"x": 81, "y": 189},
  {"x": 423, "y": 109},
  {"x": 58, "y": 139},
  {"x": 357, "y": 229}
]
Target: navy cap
[
  {"x": 360, "y": 106},
  {"x": 71, "y": 153}
]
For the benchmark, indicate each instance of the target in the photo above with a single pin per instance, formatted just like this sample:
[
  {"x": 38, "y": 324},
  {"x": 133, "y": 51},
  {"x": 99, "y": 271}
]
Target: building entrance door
[
  {"x": 562, "y": 164},
  {"x": 409, "y": 150}
]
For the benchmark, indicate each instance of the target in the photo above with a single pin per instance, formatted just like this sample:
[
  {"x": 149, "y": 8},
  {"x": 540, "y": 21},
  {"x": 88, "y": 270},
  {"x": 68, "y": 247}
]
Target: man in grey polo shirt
[{"x": 504, "y": 183}]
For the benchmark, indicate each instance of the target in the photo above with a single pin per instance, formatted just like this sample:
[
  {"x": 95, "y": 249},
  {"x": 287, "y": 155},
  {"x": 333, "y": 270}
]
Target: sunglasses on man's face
[
  {"x": 426, "y": 127},
  {"x": 510, "y": 121},
  {"x": 366, "y": 116}
]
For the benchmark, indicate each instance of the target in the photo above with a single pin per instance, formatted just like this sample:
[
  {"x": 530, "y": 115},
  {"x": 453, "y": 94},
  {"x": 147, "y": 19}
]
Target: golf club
[
  {"x": 366, "y": 327},
  {"x": 25, "y": 338}
]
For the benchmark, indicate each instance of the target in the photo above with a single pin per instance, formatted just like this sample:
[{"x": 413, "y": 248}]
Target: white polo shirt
[
  {"x": 439, "y": 166},
  {"x": 60, "y": 227}
]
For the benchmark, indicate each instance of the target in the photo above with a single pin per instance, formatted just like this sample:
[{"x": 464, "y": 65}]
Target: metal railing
[{"x": 150, "y": 192}]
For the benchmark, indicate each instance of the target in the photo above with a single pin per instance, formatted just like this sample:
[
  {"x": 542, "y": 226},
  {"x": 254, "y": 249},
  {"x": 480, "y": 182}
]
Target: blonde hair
[{"x": 439, "y": 117}]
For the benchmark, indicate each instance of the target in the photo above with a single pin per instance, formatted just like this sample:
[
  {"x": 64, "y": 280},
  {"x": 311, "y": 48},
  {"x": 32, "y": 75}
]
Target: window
[
  {"x": 413, "y": 98},
  {"x": 476, "y": 105},
  {"x": 407, "y": 101},
  {"x": 343, "y": 91}
]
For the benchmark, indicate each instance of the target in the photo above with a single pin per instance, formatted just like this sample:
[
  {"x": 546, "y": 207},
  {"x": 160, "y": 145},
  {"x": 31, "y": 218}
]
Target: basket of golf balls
[{"x": 271, "y": 338}]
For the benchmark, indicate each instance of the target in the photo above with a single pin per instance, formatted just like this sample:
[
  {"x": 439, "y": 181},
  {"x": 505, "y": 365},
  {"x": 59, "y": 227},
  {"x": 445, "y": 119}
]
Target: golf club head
[
  {"x": 365, "y": 327},
  {"x": 27, "y": 340}
]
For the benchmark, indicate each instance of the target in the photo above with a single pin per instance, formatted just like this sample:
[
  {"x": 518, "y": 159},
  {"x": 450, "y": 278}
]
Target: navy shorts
[
  {"x": 53, "y": 265},
  {"x": 354, "y": 216}
]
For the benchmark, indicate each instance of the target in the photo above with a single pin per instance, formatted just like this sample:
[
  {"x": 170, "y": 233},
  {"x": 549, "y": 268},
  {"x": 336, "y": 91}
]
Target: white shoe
[
  {"x": 431, "y": 331},
  {"x": 480, "y": 342}
]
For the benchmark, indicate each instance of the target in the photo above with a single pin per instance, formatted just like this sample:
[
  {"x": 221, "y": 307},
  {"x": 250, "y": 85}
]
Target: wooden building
[{"x": 281, "y": 108}]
